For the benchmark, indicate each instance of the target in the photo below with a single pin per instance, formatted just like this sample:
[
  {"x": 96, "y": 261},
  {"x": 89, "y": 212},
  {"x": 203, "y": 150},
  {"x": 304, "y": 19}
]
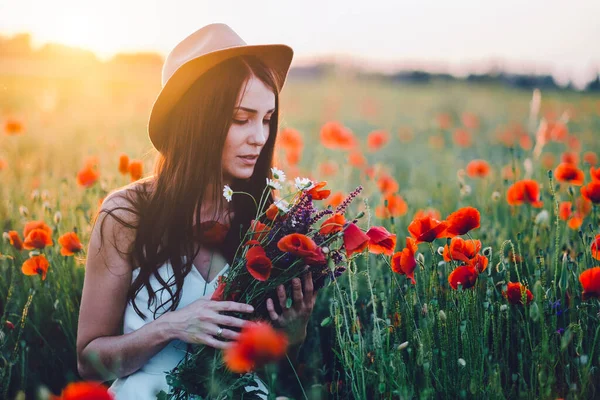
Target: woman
[{"x": 158, "y": 245}]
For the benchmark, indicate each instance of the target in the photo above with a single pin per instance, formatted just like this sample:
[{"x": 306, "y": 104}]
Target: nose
[{"x": 259, "y": 134}]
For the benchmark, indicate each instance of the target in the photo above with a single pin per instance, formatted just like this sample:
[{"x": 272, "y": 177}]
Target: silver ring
[{"x": 219, "y": 332}]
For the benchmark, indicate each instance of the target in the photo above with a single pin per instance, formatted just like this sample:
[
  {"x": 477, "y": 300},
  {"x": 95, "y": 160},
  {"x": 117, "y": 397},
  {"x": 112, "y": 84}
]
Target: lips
[{"x": 249, "y": 157}]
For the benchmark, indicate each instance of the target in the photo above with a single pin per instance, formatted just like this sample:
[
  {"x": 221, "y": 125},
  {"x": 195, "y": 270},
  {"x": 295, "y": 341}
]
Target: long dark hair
[{"x": 189, "y": 164}]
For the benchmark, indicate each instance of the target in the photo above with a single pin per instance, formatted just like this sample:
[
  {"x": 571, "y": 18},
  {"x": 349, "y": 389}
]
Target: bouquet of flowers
[{"x": 285, "y": 239}]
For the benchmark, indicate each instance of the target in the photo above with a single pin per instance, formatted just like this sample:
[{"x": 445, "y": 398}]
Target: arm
[{"x": 104, "y": 298}]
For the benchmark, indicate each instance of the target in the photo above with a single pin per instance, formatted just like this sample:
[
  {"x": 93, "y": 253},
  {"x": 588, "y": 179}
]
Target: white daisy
[
  {"x": 227, "y": 192},
  {"x": 303, "y": 183},
  {"x": 282, "y": 205},
  {"x": 278, "y": 174},
  {"x": 273, "y": 184}
]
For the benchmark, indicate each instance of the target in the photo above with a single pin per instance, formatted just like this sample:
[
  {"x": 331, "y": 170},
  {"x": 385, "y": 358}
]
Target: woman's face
[{"x": 249, "y": 130}]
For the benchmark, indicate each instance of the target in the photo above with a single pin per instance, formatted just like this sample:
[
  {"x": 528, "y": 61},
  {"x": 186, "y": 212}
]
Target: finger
[
  {"x": 227, "y": 334},
  {"x": 271, "y": 309},
  {"x": 282, "y": 297},
  {"x": 230, "y": 321},
  {"x": 308, "y": 285},
  {"x": 232, "y": 306},
  {"x": 211, "y": 341},
  {"x": 297, "y": 292}
]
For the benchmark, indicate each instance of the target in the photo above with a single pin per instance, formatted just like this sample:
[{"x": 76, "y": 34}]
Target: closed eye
[{"x": 243, "y": 122}]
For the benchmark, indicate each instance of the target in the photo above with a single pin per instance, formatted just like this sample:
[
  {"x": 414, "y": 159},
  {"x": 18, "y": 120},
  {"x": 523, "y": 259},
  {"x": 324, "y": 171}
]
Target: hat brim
[{"x": 278, "y": 57}]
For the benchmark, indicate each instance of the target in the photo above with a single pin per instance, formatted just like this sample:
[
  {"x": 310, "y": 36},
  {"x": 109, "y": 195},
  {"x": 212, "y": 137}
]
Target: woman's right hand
[{"x": 199, "y": 322}]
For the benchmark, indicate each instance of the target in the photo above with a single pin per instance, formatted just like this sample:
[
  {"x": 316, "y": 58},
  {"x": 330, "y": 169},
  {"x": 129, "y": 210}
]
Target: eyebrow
[{"x": 253, "y": 111}]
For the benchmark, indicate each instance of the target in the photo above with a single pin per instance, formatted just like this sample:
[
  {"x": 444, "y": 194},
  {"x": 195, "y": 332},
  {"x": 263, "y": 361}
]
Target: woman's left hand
[{"x": 294, "y": 319}]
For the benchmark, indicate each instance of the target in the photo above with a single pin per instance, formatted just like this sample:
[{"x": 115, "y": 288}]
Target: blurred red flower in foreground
[
  {"x": 87, "y": 176},
  {"x": 84, "y": 391},
  {"x": 462, "y": 221},
  {"x": 525, "y": 191},
  {"x": 403, "y": 262},
  {"x": 258, "y": 344},
  {"x": 478, "y": 169},
  {"x": 590, "y": 280},
  {"x": 135, "y": 169},
  {"x": 591, "y": 192},
  {"x": 569, "y": 173},
  {"x": 514, "y": 293},
  {"x": 595, "y": 173}
]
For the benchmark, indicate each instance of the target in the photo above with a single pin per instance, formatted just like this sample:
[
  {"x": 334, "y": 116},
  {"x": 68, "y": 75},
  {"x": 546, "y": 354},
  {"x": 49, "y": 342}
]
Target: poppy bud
[
  {"x": 9, "y": 325},
  {"x": 440, "y": 250},
  {"x": 496, "y": 196},
  {"x": 45, "y": 195},
  {"x": 442, "y": 315},
  {"x": 325, "y": 249},
  {"x": 420, "y": 258},
  {"x": 462, "y": 362},
  {"x": 23, "y": 211},
  {"x": 6, "y": 236},
  {"x": 57, "y": 217},
  {"x": 402, "y": 346},
  {"x": 47, "y": 206},
  {"x": 35, "y": 195},
  {"x": 503, "y": 307}
]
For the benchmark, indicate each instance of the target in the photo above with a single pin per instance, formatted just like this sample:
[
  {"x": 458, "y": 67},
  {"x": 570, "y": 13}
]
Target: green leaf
[
  {"x": 326, "y": 321},
  {"x": 288, "y": 302}
]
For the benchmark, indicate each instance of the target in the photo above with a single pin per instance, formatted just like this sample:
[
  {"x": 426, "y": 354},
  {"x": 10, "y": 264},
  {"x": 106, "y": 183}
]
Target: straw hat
[{"x": 199, "y": 52}]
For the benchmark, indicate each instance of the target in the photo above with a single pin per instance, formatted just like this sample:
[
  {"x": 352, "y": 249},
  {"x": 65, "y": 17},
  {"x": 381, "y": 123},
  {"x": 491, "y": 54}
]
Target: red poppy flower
[
  {"x": 70, "y": 244},
  {"x": 336, "y": 136},
  {"x": 515, "y": 291},
  {"x": 591, "y": 192},
  {"x": 258, "y": 344},
  {"x": 569, "y": 173},
  {"x": 479, "y": 262},
  {"x": 220, "y": 290},
  {"x": 461, "y": 250},
  {"x": 427, "y": 229},
  {"x": 444, "y": 120},
  {"x": 355, "y": 240},
  {"x": 464, "y": 275},
  {"x": 470, "y": 120},
  {"x": 335, "y": 199},
  {"x": 387, "y": 185},
  {"x": 357, "y": 159},
  {"x": 381, "y": 241},
  {"x": 564, "y": 210},
  {"x": 84, "y": 391},
  {"x": 328, "y": 168},
  {"x": 524, "y": 191},
  {"x": 432, "y": 212},
  {"x": 478, "y": 169},
  {"x": 548, "y": 160},
  {"x": 37, "y": 239},
  {"x": 135, "y": 170},
  {"x": 37, "y": 265},
  {"x": 590, "y": 280},
  {"x": 403, "y": 262},
  {"x": 318, "y": 193},
  {"x": 595, "y": 248},
  {"x": 123, "y": 164},
  {"x": 591, "y": 158},
  {"x": 13, "y": 126},
  {"x": 396, "y": 207},
  {"x": 31, "y": 225},
  {"x": 290, "y": 139},
  {"x": 292, "y": 157},
  {"x": 377, "y": 139},
  {"x": 87, "y": 176},
  {"x": 569, "y": 157},
  {"x": 462, "y": 138},
  {"x": 258, "y": 264},
  {"x": 272, "y": 212},
  {"x": 525, "y": 142},
  {"x": 302, "y": 246},
  {"x": 575, "y": 222},
  {"x": 595, "y": 173},
  {"x": 462, "y": 221},
  {"x": 333, "y": 224},
  {"x": 15, "y": 240},
  {"x": 259, "y": 230}
]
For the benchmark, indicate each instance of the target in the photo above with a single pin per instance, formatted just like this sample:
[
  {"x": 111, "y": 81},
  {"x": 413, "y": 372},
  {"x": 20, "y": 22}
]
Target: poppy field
[{"x": 484, "y": 282}]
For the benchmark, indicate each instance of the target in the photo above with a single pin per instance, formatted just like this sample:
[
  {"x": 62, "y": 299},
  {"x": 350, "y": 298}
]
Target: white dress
[{"x": 150, "y": 379}]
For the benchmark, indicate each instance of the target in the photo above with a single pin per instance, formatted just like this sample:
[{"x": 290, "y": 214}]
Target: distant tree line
[{"x": 19, "y": 46}]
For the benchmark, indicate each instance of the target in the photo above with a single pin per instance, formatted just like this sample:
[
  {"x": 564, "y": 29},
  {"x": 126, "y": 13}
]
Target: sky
[{"x": 458, "y": 36}]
